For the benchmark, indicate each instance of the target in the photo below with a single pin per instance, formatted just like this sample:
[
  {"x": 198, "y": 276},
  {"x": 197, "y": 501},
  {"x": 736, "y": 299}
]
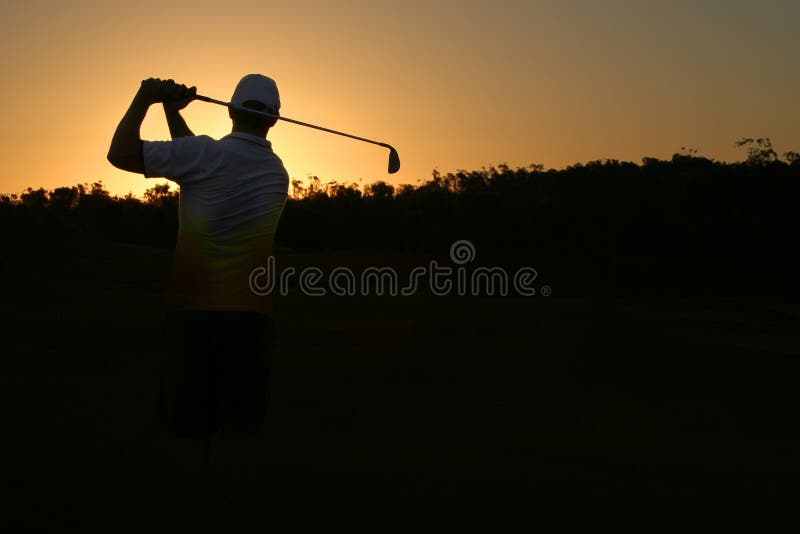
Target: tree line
[{"x": 605, "y": 211}]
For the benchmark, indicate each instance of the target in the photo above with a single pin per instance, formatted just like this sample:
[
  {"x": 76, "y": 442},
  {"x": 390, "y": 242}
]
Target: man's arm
[
  {"x": 177, "y": 125},
  {"x": 125, "y": 151}
]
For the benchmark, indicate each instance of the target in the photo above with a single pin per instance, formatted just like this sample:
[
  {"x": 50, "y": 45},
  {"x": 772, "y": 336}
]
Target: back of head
[{"x": 259, "y": 93}]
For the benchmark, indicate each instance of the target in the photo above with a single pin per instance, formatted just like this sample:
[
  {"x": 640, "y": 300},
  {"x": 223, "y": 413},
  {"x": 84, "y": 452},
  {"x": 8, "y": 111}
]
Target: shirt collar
[{"x": 250, "y": 138}]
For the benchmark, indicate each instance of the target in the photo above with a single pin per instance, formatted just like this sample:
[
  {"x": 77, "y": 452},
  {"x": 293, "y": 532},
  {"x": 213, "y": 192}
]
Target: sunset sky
[{"x": 451, "y": 84}]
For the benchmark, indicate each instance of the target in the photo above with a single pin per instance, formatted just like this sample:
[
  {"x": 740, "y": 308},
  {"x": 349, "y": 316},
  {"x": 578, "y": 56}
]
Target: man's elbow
[
  {"x": 126, "y": 162},
  {"x": 114, "y": 159}
]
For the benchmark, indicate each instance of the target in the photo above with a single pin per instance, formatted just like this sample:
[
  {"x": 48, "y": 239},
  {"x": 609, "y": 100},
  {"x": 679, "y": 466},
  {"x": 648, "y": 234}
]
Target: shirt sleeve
[{"x": 178, "y": 160}]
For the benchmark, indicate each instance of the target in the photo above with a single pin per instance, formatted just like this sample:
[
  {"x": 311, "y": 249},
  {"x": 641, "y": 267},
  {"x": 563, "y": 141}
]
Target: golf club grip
[{"x": 287, "y": 119}]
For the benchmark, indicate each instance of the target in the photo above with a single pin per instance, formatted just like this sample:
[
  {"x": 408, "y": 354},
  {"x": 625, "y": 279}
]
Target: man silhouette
[{"x": 215, "y": 377}]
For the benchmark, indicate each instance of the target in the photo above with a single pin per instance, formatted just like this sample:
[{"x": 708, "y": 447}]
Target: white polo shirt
[{"x": 232, "y": 193}]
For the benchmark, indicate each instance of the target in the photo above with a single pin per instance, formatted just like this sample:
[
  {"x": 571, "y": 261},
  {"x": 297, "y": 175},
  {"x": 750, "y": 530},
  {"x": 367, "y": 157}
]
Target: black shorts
[{"x": 215, "y": 373}]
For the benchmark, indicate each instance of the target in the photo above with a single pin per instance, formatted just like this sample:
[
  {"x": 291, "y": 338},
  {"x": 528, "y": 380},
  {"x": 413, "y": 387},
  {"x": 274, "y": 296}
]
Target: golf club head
[{"x": 394, "y": 161}]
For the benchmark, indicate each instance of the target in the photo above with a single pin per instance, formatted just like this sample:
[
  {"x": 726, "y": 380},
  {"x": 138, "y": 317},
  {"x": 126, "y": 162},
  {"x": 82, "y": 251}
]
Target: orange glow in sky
[{"x": 451, "y": 84}]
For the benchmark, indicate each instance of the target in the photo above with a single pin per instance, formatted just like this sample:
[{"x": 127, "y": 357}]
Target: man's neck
[{"x": 251, "y": 131}]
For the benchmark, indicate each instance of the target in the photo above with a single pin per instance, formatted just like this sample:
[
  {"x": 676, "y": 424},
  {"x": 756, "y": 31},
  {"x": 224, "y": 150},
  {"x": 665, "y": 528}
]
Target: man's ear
[{"x": 230, "y": 113}]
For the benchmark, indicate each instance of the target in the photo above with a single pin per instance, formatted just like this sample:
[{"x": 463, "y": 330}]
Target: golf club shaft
[{"x": 270, "y": 115}]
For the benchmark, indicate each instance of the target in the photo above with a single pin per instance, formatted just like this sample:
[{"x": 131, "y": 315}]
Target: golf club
[{"x": 394, "y": 158}]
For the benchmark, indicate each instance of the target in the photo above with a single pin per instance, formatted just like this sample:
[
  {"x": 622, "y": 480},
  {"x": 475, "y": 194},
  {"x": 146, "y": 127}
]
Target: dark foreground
[{"x": 418, "y": 414}]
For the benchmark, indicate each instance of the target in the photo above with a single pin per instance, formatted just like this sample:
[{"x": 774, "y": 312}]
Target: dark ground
[{"x": 419, "y": 414}]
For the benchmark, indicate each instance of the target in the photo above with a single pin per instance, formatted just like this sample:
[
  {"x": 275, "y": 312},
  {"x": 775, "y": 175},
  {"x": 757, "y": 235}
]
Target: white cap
[{"x": 259, "y": 88}]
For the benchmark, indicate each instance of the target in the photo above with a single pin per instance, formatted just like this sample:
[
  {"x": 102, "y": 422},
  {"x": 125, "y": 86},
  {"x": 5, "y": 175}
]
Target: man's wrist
[{"x": 142, "y": 101}]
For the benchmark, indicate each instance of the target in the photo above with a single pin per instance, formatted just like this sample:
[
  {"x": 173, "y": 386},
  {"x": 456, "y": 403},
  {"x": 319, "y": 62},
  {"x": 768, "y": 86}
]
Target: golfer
[{"x": 215, "y": 378}]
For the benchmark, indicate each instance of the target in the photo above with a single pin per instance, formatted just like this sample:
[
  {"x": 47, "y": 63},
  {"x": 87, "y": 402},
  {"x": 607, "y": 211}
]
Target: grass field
[{"x": 417, "y": 414}]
